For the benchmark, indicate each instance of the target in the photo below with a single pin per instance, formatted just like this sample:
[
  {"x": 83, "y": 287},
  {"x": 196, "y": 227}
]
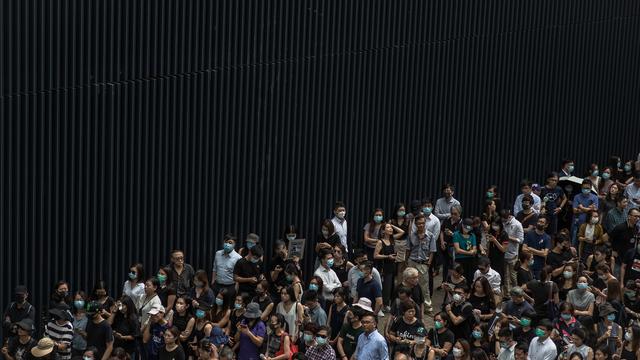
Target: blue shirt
[
  {"x": 223, "y": 265},
  {"x": 370, "y": 290},
  {"x": 372, "y": 347},
  {"x": 586, "y": 201},
  {"x": 539, "y": 242}
]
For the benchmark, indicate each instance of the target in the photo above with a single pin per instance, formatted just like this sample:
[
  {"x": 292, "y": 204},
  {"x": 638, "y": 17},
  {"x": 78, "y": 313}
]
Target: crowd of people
[{"x": 555, "y": 275}]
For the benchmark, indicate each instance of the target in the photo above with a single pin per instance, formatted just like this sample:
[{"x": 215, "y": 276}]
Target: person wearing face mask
[
  {"x": 18, "y": 310},
  {"x": 631, "y": 345},
  {"x": 517, "y": 305},
  {"x": 525, "y": 332},
  {"x": 313, "y": 312},
  {"x": 166, "y": 291},
  {"x": 368, "y": 288},
  {"x": 19, "y": 347},
  {"x": 461, "y": 350},
  {"x": 505, "y": 346},
  {"x": 527, "y": 193},
  {"x": 99, "y": 332},
  {"x": 566, "y": 322},
  {"x": 329, "y": 278},
  {"x": 444, "y": 204},
  {"x": 537, "y": 243},
  {"x": 590, "y": 235},
  {"x": 420, "y": 350},
  {"x": 583, "y": 301},
  {"x": 78, "y": 343},
  {"x": 492, "y": 194},
  {"x": 321, "y": 350},
  {"x": 263, "y": 299},
  {"x": 527, "y": 217},
  {"x": 593, "y": 174},
  {"x": 60, "y": 295},
  {"x": 583, "y": 203},
  {"x": 201, "y": 291},
  {"x": 461, "y": 312},
  {"x": 248, "y": 272},
  {"x": 100, "y": 294},
  {"x": 385, "y": 255},
  {"x": 125, "y": 325},
  {"x": 250, "y": 334},
  {"x": 422, "y": 250},
  {"x": 448, "y": 227},
  {"x": 465, "y": 248},
  {"x": 251, "y": 241},
  {"x": 568, "y": 166},
  {"x": 223, "y": 265},
  {"x": 515, "y": 234},
  {"x": 202, "y": 328},
  {"x": 354, "y": 274},
  {"x": 340, "y": 223},
  {"x": 90, "y": 353},
  {"x": 623, "y": 238},
  {"x": 605, "y": 184},
  {"x": 149, "y": 301},
  {"x": 440, "y": 339},
  {"x": 153, "y": 333},
  {"x": 568, "y": 281},
  {"x": 276, "y": 270},
  {"x": 553, "y": 201},
  {"x": 560, "y": 255},
  {"x": 134, "y": 285},
  {"x": 607, "y": 331},
  {"x": 577, "y": 345},
  {"x": 237, "y": 312},
  {"x": 278, "y": 342},
  {"x": 542, "y": 347},
  {"x": 523, "y": 268},
  {"x": 492, "y": 276},
  {"x": 184, "y": 320},
  {"x": 349, "y": 333},
  {"x": 371, "y": 232}
]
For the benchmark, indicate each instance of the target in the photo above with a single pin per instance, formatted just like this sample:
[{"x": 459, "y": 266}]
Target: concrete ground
[{"x": 436, "y": 303}]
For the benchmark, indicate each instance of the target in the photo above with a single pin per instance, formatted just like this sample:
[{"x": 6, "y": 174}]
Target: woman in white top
[
  {"x": 148, "y": 300},
  {"x": 578, "y": 346},
  {"x": 292, "y": 311},
  {"x": 133, "y": 287}
]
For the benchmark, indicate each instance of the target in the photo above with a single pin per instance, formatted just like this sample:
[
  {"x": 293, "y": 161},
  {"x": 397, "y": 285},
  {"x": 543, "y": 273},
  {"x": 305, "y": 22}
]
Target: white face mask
[
  {"x": 457, "y": 352},
  {"x": 628, "y": 336},
  {"x": 341, "y": 214}
]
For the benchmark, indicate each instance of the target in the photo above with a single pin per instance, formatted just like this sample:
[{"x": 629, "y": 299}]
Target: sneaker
[{"x": 380, "y": 313}]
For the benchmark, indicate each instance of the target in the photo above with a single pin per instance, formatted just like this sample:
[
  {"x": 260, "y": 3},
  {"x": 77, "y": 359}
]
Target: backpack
[{"x": 293, "y": 348}]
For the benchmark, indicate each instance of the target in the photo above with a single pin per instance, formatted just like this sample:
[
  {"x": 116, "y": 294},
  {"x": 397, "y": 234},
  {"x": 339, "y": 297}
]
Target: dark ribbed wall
[{"x": 133, "y": 127}]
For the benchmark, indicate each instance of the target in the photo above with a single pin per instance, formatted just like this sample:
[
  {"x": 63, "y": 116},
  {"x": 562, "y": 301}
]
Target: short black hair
[
  {"x": 324, "y": 252},
  {"x": 256, "y": 251},
  {"x": 310, "y": 295},
  {"x": 462, "y": 286},
  {"x": 338, "y": 204},
  {"x": 546, "y": 323},
  {"x": 483, "y": 261},
  {"x": 505, "y": 332},
  {"x": 525, "y": 182}
]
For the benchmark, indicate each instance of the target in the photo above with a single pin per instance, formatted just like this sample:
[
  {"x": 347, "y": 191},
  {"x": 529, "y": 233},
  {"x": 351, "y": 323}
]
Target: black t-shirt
[
  {"x": 438, "y": 340},
  {"x": 416, "y": 296},
  {"x": 246, "y": 269},
  {"x": 406, "y": 332},
  {"x": 622, "y": 239},
  {"x": 175, "y": 354},
  {"x": 556, "y": 260},
  {"x": 524, "y": 276},
  {"x": 481, "y": 303},
  {"x": 20, "y": 351},
  {"x": 126, "y": 327},
  {"x": 462, "y": 330},
  {"x": 632, "y": 260},
  {"x": 447, "y": 224},
  {"x": 262, "y": 303},
  {"x": 540, "y": 293},
  {"x": 164, "y": 292},
  {"x": 99, "y": 335},
  {"x": 552, "y": 198},
  {"x": 520, "y": 335},
  {"x": 527, "y": 219},
  {"x": 333, "y": 240}
]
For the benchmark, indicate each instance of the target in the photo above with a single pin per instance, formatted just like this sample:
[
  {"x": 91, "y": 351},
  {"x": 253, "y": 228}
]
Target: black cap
[
  {"x": 25, "y": 324},
  {"x": 21, "y": 289}
]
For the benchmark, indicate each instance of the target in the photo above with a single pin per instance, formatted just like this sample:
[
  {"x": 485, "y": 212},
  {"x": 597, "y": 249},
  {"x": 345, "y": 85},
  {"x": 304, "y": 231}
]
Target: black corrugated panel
[{"x": 133, "y": 127}]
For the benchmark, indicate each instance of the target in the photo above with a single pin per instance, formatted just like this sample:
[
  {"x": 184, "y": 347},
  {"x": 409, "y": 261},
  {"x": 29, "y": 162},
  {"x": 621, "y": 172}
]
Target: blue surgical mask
[
  {"x": 566, "y": 317},
  {"x": 582, "y": 286},
  {"x": 570, "y": 168},
  {"x": 606, "y": 176},
  {"x": 308, "y": 337},
  {"x": 219, "y": 301},
  {"x": 200, "y": 313},
  {"x": 86, "y": 358},
  {"x": 313, "y": 287},
  {"x": 289, "y": 278},
  {"x": 237, "y": 306},
  {"x": 377, "y": 219},
  {"x": 228, "y": 247},
  {"x": 586, "y": 191},
  {"x": 133, "y": 275},
  {"x": 627, "y": 167},
  {"x": 477, "y": 334},
  {"x": 79, "y": 304},
  {"x": 595, "y": 173},
  {"x": 427, "y": 210},
  {"x": 359, "y": 274},
  {"x": 250, "y": 244},
  {"x": 255, "y": 260},
  {"x": 321, "y": 341},
  {"x": 330, "y": 263},
  {"x": 490, "y": 194},
  {"x": 611, "y": 317},
  {"x": 401, "y": 213}
]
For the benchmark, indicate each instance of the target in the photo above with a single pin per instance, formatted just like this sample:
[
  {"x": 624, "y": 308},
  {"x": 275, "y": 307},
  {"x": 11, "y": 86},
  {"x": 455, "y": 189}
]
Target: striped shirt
[{"x": 60, "y": 334}]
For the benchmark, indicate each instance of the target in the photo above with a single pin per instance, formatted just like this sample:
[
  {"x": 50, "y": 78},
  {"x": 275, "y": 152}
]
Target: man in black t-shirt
[
  {"x": 630, "y": 269},
  {"x": 99, "y": 333},
  {"x": 247, "y": 272},
  {"x": 623, "y": 236},
  {"x": 441, "y": 338},
  {"x": 19, "y": 348},
  {"x": 461, "y": 312}
]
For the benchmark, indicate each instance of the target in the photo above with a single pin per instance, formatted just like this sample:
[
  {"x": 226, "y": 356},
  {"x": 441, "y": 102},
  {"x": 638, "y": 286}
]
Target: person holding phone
[{"x": 251, "y": 332}]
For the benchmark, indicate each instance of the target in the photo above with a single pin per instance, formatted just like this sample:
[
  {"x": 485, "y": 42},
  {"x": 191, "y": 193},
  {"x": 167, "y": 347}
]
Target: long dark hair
[{"x": 57, "y": 298}]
